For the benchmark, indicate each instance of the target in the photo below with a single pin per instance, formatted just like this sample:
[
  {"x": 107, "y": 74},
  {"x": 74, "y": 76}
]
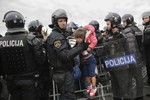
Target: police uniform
[
  {"x": 146, "y": 44},
  {"x": 61, "y": 59},
  {"x": 61, "y": 56},
  {"x": 35, "y": 27},
  {"x": 45, "y": 75},
  {"x": 138, "y": 34},
  {"x": 21, "y": 54},
  {"x": 136, "y": 70},
  {"x": 122, "y": 60}
]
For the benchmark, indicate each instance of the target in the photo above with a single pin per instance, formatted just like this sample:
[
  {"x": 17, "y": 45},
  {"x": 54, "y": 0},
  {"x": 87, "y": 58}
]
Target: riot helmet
[
  {"x": 14, "y": 19},
  {"x": 60, "y": 13},
  {"x": 95, "y": 24},
  {"x": 144, "y": 15},
  {"x": 114, "y": 18},
  {"x": 35, "y": 26},
  {"x": 128, "y": 18}
]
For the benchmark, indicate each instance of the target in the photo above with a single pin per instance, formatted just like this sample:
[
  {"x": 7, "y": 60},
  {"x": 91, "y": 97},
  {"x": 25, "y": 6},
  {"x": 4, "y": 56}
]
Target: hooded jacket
[{"x": 90, "y": 36}]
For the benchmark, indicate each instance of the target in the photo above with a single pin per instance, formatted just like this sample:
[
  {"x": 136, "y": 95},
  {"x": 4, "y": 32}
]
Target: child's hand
[
  {"x": 89, "y": 49},
  {"x": 70, "y": 24}
]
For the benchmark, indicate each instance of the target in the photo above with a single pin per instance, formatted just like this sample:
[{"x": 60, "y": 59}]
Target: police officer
[
  {"x": 21, "y": 54},
  {"x": 35, "y": 28},
  {"x": 118, "y": 46},
  {"x": 129, "y": 24},
  {"x": 61, "y": 55},
  {"x": 146, "y": 41},
  {"x": 130, "y": 27}
]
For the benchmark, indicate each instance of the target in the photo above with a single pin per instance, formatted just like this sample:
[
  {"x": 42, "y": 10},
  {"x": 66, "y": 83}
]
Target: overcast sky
[{"x": 79, "y": 11}]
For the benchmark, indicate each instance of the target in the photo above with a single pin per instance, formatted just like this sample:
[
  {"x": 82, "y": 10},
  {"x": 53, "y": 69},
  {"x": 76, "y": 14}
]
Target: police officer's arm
[
  {"x": 37, "y": 50},
  {"x": 66, "y": 54}
]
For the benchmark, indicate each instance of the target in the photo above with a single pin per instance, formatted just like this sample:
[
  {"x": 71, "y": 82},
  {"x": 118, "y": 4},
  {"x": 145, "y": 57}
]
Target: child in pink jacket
[{"x": 88, "y": 35}]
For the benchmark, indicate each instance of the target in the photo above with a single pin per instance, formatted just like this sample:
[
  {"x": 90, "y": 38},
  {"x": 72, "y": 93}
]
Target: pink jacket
[{"x": 91, "y": 37}]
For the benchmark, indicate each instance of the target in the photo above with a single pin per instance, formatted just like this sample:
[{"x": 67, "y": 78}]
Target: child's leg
[
  {"x": 88, "y": 84},
  {"x": 92, "y": 66},
  {"x": 86, "y": 74},
  {"x": 91, "y": 70},
  {"x": 88, "y": 79},
  {"x": 93, "y": 79}
]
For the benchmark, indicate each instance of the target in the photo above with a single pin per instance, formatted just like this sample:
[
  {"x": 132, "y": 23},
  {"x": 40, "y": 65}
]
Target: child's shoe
[
  {"x": 89, "y": 88},
  {"x": 93, "y": 91}
]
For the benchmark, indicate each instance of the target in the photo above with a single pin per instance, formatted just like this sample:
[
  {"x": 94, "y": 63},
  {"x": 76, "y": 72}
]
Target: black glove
[{"x": 84, "y": 45}]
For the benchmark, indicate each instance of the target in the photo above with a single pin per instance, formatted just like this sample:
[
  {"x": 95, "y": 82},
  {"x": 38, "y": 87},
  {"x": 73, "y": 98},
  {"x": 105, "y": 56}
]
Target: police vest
[
  {"x": 16, "y": 54},
  {"x": 54, "y": 59}
]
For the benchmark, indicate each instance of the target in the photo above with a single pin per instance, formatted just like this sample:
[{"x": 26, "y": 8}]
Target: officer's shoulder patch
[{"x": 57, "y": 43}]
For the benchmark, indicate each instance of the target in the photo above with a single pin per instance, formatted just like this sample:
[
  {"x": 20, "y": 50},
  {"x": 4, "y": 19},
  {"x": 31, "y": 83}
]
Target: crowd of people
[{"x": 29, "y": 62}]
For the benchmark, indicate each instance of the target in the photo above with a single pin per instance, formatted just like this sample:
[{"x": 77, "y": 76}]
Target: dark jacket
[
  {"x": 138, "y": 34},
  {"x": 21, "y": 52},
  {"x": 146, "y": 37},
  {"x": 60, "y": 54}
]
